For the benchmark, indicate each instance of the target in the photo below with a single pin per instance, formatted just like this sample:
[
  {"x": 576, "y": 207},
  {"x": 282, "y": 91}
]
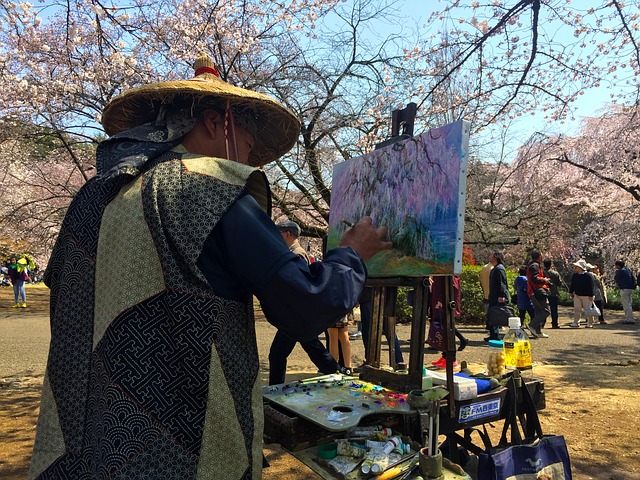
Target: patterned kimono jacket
[{"x": 150, "y": 373}]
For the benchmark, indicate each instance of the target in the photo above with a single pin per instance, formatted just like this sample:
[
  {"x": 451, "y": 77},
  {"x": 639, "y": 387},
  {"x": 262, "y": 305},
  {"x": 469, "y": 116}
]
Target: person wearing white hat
[
  {"x": 582, "y": 291},
  {"x": 153, "y": 368}
]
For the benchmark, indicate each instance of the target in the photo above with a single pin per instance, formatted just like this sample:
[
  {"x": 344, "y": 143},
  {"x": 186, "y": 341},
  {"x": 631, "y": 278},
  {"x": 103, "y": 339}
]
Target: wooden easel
[{"x": 384, "y": 305}]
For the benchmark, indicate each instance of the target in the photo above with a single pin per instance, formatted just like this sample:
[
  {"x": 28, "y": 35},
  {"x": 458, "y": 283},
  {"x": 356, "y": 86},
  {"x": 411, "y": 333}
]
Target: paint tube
[
  {"x": 391, "y": 445},
  {"x": 368, "y": 431},
  {"x": 373, "y": 445},
  {"x": 366, "y": 465},
  {"x": 380, "y": 464}
]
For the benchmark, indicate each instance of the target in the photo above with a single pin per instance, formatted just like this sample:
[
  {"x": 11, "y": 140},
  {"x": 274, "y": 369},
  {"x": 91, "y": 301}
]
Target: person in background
[
  {"x": 538, "y": 290},
  {"x": 160, "y": 378},
  {"x": 339, "y": 335},
  {"x": 581, "y": 289},
  {"x": 600, "y": 291},
  {"x": 556, "y": 282},
  {"x": 437, "y": 318},
  {"x": 358, "y": 332},
  {"x": 626, "y": 283},
  {"x": 523, "y": 301},
  {"x": 282, "y": 344},
  {"x": 19, "y": 275},
  {"x": 498, "y": 289},
  {"x": 485, "y": 273}
]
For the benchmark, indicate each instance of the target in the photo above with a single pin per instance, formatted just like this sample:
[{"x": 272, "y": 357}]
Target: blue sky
[{"x": 589, "y": 104}]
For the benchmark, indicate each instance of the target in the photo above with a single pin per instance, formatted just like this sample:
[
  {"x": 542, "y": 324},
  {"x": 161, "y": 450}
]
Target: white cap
[{"x": 514, "y": 322}]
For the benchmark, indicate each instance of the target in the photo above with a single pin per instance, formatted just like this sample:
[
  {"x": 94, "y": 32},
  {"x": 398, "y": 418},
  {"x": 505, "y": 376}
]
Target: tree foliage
[{"x": 341, "y": 67}]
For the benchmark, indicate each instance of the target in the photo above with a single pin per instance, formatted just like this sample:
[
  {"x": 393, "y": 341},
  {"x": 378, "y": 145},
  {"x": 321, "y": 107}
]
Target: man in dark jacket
[
  {"x": 626, "y": 283},
  {"x": 282, "y": 344},
  {"x": 498, "y": 289},
  {"x": 556, "y": 282}
]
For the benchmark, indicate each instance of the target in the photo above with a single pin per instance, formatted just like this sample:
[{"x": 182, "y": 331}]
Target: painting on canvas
[{"x": 416, "y": 188}]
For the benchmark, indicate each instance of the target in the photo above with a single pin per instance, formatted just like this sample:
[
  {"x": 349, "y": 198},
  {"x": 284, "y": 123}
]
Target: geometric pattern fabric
[{"x": 151, "y": 374}]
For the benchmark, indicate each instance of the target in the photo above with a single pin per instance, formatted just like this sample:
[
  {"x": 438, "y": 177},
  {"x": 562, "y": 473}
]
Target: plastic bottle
[
  {"x": 516, "y": 345},
  {"x": 427, "y": 380}
]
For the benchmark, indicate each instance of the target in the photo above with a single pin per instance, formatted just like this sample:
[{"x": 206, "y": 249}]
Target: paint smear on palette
[{"x": 336, "y": 405}]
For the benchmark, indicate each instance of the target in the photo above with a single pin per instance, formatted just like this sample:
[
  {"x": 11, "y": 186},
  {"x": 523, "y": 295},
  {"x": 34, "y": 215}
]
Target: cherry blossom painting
[{"x": 416, "y": 188}]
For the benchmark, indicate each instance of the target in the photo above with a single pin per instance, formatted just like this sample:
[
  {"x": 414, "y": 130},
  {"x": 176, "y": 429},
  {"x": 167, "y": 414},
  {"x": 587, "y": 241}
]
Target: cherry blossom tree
[
  {"x": 63, "y": 62},
  {"x": 570, "y": 196},
  {"x": 597, "y": 182},
  {"x": 533, "y": 56},
  {"x": 331, "y": 62}
]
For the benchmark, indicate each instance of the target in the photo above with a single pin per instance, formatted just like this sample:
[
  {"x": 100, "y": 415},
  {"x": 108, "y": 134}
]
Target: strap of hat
[
  {"x": 229, "y": 125},
  {"x": 227, "y": 112}
]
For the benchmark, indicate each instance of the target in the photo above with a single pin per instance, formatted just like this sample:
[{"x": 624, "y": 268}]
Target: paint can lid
[{"x": 327, "y": 451}]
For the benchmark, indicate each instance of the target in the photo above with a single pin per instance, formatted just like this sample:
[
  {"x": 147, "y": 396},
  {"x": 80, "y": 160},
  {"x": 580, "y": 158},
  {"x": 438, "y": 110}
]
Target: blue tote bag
[
  {"x": 547, "y": 455},
  {"x": 529, "y": 458}
]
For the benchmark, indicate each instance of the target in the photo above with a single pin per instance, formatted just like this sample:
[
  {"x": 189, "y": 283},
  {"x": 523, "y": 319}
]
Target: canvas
[{"x": 417, "y": 189}]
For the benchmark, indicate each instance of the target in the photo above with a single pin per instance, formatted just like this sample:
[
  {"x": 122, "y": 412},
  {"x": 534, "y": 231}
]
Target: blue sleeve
[
  {"x": 245, "y": 254},
  {"x": 303, "y": 302}
]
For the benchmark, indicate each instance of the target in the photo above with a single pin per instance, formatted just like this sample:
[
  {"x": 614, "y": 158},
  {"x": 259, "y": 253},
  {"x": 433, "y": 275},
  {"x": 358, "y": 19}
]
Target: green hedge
[
  {"x": 472, "y": 296},
  {"x": 472, "y": 309},
  {"x": 613, "y": 299}
]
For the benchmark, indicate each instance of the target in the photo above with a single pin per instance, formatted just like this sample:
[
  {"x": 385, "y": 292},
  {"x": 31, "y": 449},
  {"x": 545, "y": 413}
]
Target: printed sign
[{"x": 474, "y": 411}]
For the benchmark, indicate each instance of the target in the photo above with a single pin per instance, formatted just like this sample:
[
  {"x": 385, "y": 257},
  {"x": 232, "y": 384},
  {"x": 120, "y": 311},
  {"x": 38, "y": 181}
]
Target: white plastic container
[{"x": 463, "y": 388}]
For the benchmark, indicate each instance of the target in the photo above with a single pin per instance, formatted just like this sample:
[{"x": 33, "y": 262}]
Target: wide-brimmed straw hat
[{"x": 277, "y": 128}]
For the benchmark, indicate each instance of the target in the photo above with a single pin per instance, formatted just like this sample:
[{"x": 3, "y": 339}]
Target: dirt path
[{"x": 591, "y": 380}]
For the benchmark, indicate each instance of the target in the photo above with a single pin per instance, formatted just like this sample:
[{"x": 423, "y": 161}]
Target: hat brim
[{"x": 278, "y": 128}]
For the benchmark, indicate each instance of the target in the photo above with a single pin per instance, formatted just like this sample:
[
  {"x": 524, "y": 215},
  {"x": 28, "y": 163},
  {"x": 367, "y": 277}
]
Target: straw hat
[{"x": 277, "y": 131}]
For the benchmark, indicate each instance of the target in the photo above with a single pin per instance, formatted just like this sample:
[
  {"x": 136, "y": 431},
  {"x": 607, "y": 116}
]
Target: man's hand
[{"x": 366, "y": 239}]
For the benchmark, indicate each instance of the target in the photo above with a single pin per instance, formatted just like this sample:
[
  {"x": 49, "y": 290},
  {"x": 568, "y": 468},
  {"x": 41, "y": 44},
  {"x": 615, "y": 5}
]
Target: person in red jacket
[{"x": 538, "y": 290}]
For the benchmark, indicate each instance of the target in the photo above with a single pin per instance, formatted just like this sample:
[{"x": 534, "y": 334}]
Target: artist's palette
[{"x": 334, "y": 402}]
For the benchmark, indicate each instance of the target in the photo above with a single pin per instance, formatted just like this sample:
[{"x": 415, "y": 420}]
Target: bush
[
  {"x": 614, "y": 302},
  {"x": 404, "y": 311},
  {"x": 472, "y": 308}
]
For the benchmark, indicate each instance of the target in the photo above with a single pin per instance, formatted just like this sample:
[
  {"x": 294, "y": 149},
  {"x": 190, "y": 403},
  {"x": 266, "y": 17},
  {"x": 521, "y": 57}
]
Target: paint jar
[
  {"x": 327, "y": 451},
  {"x": 430, "y": 465}
]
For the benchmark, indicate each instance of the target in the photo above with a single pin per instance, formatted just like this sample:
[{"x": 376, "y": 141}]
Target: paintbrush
[{"x": 398, "y": 469}]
